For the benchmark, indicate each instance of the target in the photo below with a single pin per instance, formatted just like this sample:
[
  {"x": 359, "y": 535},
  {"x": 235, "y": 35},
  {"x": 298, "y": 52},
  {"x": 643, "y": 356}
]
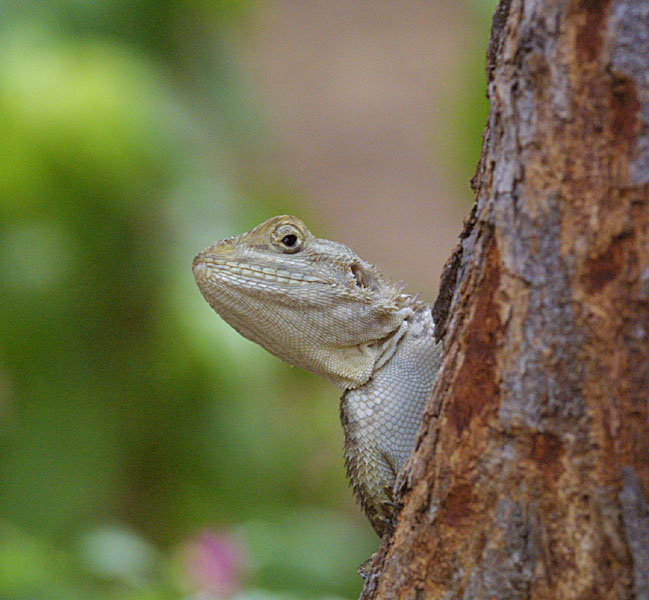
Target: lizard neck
[{"x": 381, "y": 418}]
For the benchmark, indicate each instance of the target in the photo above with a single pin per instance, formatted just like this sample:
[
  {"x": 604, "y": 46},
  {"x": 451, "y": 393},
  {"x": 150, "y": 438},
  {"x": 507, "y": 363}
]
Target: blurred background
[{"x": 146, "y": 450}]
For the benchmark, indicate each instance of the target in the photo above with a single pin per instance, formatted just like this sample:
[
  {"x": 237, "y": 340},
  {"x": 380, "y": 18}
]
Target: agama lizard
[{"x": 315, "y": 304}]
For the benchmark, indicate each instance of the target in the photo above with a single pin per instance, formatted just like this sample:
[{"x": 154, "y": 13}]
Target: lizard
[{"x": 317, "y": 305}]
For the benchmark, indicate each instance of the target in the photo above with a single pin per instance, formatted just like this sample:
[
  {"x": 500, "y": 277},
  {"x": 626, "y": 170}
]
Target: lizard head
[{"x": 311, "y": 302}]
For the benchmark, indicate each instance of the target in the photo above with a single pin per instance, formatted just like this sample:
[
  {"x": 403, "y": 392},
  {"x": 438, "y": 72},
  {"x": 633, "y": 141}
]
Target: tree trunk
[{"x": 531, "y": 475}]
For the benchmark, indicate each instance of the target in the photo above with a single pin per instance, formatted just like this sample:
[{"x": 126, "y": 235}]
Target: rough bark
[{"x": 531, "y": 475}]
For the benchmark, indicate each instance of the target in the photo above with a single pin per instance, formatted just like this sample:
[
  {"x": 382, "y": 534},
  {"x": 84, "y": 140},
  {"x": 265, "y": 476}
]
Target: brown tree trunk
[{"x": 531, "y": 476}]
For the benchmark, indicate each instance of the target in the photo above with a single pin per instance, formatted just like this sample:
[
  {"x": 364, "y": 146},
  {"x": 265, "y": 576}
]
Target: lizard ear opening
[{"x": 364, "y": 278}]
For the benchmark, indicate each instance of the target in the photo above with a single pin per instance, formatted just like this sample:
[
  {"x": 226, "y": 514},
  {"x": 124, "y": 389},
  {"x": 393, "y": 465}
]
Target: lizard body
[{"x": 315, "y": 304}]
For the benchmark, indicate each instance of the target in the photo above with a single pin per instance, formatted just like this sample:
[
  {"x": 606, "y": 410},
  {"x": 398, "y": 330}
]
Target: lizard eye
[{"x": 287, "y": 238}]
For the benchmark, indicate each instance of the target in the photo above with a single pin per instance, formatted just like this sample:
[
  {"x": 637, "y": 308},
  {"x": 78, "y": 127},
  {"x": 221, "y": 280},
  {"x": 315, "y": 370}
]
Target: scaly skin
[{"x": 315, "y": 304}]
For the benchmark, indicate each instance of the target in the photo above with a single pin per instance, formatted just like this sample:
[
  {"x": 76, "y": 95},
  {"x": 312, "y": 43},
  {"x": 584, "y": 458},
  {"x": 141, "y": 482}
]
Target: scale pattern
[{"x": 382, "y": 418}]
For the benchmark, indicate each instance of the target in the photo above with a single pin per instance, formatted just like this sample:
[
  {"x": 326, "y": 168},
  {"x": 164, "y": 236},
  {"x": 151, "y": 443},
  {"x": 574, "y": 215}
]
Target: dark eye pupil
[{"x": 289, "y": 240}]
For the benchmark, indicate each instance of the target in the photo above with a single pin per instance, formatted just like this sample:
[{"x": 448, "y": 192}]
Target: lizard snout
[{"x": 198, "y": 265}]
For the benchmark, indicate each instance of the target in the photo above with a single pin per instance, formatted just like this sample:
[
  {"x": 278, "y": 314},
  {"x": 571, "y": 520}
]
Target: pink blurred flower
[{"x": 215, "y": 563}]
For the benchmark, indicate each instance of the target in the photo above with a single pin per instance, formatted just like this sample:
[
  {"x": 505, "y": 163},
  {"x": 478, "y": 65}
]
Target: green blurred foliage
[
  {"x": 127, "y": 424},
  {"x": 466, "y": 102}
]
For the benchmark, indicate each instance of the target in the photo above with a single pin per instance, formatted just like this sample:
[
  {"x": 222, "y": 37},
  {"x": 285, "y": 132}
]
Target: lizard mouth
[{"x": 207, "y": 266}]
